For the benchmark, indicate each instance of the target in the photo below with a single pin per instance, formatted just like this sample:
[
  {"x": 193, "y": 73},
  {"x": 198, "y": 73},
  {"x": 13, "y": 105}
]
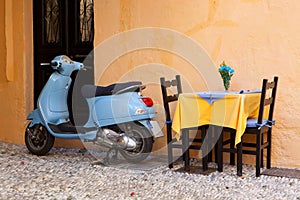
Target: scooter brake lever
[{"x": 143, "y": 87}]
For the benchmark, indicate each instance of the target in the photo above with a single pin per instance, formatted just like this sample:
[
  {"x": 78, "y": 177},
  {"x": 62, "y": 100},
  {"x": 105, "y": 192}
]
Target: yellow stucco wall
[
  {"x": 2, "y": 43},
  {"x": 16, "y": 74},
  {"x": 16, "y": 78},
  {"x": 257, "y": 38}
]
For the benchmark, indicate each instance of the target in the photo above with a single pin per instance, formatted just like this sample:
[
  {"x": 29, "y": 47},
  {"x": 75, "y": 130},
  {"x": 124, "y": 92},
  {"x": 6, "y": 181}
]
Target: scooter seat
[{"x": 89, "y": 91}]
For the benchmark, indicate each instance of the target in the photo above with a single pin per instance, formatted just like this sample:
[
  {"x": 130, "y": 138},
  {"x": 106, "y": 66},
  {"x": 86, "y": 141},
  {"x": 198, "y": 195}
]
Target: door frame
[{"x": 67, "y": 41}]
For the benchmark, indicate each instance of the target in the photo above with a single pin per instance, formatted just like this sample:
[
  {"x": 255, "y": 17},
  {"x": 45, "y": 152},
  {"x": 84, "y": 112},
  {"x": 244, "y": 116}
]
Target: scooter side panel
[
  {"x": 120, "y": 108},
  {"x": 153, "y": 127}
]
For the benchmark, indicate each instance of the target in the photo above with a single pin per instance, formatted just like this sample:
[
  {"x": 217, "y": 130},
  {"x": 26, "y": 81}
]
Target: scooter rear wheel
[
  {"x": 38, "y": 140},
  {"x": 144, "y": 140}
]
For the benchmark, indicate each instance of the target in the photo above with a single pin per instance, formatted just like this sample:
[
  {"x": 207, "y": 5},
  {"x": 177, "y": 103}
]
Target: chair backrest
[
  {"x": 268, "y": 95},
  {"x": 170, "y": 98}
]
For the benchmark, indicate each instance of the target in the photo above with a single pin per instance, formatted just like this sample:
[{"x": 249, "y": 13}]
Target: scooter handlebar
[
  {"x": 55, "y": 64},
  {"x": 45, "y": 64}
]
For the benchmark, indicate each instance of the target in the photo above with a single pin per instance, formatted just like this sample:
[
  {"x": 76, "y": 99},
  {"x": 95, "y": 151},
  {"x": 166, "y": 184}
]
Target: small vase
[
  {"x": 226, "y": 88},
  {"x": 226, "y": 84}
]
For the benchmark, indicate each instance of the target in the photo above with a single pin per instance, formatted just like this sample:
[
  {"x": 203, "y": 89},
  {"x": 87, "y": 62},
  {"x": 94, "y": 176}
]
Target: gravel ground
[{"x": 70, "y": 174}]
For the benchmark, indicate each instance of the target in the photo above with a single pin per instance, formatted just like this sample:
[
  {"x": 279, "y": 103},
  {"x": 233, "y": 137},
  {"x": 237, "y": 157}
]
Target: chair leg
[
  {"x": 216, "y": 137},
  {"x": 232, "y": 141},
  {"x": 170, "y": 151},
  {"x": 258, "y": 153},
  {"x": 220, "y": 152},
  {"x": 216, "y": 152},
  {"x": 262, "y": 151},
  {"x": 209, "y": 146},
  {"x": 204, "y": 150},
  {"x": 185, "y": 149},
  {"x": 170, "y": 156},
  {"x": 239, "y": 147},
  {"x": 269, "y": 149}
]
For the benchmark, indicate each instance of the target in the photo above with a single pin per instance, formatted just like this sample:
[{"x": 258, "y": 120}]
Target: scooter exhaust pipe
[{"x": 112, "y": 138}]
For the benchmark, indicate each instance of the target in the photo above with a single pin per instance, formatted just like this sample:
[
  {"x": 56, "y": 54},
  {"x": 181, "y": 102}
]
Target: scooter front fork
[{"x": 33, "y": 135}]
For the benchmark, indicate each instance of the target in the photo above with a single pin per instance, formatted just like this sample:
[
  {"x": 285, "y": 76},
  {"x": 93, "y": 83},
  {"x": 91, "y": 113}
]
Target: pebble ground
[{"x": 66, "y": 174}]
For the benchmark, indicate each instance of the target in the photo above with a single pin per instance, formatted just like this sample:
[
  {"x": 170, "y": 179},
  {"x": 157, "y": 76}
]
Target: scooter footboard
[{"x": 153, "y": 127}]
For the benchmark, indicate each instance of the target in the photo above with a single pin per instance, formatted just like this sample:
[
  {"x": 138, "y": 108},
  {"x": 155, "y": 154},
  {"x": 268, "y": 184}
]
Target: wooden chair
[
  {"x": 259, "y": 127},
  {"x": 193, "y": 143}
]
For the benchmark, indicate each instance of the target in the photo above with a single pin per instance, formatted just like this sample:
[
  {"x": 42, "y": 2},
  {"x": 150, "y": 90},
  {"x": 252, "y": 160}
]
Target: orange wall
[
  {"x": 2, "y": 43},
  {"x": 257, "y": 38},
  {"x": 12, "y": 79},
  {"x": 16, "y": 77}
]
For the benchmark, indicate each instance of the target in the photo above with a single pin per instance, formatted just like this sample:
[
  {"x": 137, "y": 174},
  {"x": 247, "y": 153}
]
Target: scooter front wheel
[
  {"x": 144, "y": 141},
  {"x": 38, "y": 140}
]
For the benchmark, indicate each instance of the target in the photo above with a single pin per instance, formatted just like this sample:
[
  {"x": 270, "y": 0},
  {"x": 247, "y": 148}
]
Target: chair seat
[
  {"x": 252, "y": 123},
  {"x": 263, "y": 131},
  {"x": 191, "y": 142}
]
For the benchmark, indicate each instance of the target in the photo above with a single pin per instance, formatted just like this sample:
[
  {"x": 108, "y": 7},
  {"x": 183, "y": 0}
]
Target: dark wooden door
[{"x": 63, "y": 27}]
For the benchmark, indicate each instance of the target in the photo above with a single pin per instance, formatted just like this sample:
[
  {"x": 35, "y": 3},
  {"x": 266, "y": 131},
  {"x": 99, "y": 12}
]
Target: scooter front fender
[{"x": 35, "y": 118}]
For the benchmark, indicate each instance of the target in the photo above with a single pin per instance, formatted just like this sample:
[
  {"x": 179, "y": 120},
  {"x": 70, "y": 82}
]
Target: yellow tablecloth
[{"x": 230, "y": 111}]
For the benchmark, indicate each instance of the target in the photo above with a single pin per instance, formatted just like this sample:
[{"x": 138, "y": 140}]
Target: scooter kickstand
[{"x": 114, "y": 156}]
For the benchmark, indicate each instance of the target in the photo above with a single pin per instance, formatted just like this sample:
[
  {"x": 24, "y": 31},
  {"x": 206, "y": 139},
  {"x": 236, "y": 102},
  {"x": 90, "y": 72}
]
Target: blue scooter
[{"x": 120, "y": 117}]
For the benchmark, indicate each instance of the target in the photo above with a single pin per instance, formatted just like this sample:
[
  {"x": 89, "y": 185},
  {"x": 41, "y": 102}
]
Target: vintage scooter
[{"x": 120, "y": 117}]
